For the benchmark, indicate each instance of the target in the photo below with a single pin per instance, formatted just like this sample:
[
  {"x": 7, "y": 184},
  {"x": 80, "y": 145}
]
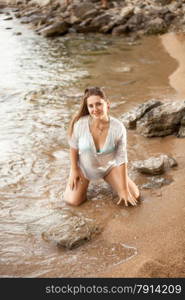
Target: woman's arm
[
  {"x": 122, "y": 160},
  {"x": 75, "y": 175},
  {"x": 74, "y": 158},
  {"x": 123, "y": 175},
  {"x": 124, "y": 193}
]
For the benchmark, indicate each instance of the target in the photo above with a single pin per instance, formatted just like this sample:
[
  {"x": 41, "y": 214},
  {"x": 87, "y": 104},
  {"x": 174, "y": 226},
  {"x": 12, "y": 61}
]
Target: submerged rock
[
  {"x": 155, "y": 182},
  {"x": 73, "y": 231},
  {"x": 155, "y": 165}
]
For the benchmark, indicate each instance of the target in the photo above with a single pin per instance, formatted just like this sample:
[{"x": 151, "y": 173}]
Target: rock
[
  {"x": 81, "y": 9},
  {"x": 163, "y": 2},
  {"x": 127, "y": 12},
  {"x": 17, "y": 33},
  {"x": 169, "y": 17},
  {"x": 101, "y": 20},
  {"x": 136, "y": 22},
  {"x": 130, "y": 118},
  {"x": 156, "y": 26},
  {"x": 7, "y": 19},
  {"x": 155, "y": 165},
  {"x": 90, "y": 14},
  {"x": 73, "y": 231},
  {"x": 74, "y": 20},
  {"x": 85, "y": 26},
  {"x": 181, "y": 132},
  {"x": 119, "y": 21},
  {"x": 33, "y": 18},
  {"x": 162, "y": 120},
  {"x": 44, "y": 2},
  {"x": 155, "y": 182},
  {"x": 118, "y": 30},
  {"x": 17, "y": 15},
  {"x": 55, "y": 29}
]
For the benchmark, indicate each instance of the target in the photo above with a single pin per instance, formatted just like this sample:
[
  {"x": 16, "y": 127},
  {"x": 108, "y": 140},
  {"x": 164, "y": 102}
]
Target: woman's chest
[{"x": 99, "y": 138}]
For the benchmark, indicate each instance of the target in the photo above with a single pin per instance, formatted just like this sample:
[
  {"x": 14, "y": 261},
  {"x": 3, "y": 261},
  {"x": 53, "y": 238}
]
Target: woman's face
[{"x": 97, "y": 107}]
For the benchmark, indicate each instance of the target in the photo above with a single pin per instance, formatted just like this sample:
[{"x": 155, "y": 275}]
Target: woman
[{"x": 98, "y": 150}]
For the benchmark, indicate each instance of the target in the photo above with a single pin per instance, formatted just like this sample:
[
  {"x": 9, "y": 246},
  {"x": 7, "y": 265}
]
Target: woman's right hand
[
  {"x": 128, "y": 198},
  {"x": 75, "y": 178}
]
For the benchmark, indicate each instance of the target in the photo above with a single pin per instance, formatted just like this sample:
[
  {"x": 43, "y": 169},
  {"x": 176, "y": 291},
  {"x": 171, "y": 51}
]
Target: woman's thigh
[
  {"x": 115, "y": 179},
  {"x": 77, "y": 195}
]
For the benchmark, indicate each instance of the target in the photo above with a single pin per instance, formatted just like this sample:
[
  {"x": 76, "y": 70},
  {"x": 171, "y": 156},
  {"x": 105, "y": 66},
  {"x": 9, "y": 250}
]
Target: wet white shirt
[{"x": 97, "y": 164}]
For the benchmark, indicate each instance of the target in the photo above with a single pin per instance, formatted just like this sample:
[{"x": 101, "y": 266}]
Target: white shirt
[{"x": 97, "y": 164}]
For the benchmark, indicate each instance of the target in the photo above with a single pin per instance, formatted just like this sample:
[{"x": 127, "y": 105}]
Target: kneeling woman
[{"x": 98, "y": 150}]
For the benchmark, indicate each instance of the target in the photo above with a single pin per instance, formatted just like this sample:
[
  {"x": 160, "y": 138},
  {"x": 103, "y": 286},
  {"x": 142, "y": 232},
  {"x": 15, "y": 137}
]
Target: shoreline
[{"x": 129, "y": 17}]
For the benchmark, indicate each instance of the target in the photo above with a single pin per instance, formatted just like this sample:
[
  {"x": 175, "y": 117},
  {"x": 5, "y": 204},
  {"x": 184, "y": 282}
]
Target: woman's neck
[{"x": 103, "y": 121}]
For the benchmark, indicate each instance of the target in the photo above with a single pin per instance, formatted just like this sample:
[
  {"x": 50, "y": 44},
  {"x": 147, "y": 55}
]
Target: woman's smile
[{"x": 97, "y": 106}]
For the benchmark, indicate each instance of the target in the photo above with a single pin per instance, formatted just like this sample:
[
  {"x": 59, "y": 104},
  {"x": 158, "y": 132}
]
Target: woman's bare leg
[
  {"x": 115, "y": 180},
  {"x": 76, "y": 196}
]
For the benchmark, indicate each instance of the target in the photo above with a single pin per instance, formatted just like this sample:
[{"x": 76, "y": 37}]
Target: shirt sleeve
[
  {"x": 73, "y": 140},
  {"x": 121, "y": 150}
]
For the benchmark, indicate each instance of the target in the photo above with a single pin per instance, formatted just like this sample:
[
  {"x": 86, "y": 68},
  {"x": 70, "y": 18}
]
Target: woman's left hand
[{"x": 127, "y": 198}]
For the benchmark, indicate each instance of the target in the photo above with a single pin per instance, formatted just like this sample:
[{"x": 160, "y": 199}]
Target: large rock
[
  {"x": 181, "y": 132},
  {"x": 130, "y": 118},
  {"x": 79, "y": 10},
  {"x": 137, "y": 22},
  {"x": 101, "y": 20},
  {"x": 155, "y": 165},
  {"x": 58, "y": 28},
  {"x": 162, "y": 120},
  {"x": 73, "y": 231},
  {"x": 156, "y": 26},
  {"x": 163, "y": 2},
  {"x": 127, "y": 12}
]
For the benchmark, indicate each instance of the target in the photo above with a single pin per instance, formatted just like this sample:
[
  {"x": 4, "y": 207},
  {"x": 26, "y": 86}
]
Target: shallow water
[{"x": 41, "y": 83}]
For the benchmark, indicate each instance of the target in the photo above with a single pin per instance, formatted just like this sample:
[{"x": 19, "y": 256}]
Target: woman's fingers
[
  {"x": 119, "y": 201},
  {"x": 130, "y": 199}
]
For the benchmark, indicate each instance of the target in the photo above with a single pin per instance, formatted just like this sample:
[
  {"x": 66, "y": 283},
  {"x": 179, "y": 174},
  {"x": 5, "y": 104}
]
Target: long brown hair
[{"x": 83, "y": 110}]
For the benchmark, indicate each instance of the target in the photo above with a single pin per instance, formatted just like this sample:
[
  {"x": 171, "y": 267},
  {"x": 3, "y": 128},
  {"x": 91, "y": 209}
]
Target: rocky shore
[{"x": 121, "y": 17}]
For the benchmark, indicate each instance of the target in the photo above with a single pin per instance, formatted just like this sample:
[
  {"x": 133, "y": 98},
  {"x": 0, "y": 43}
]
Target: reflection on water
[{"x": 41, "y": 85}]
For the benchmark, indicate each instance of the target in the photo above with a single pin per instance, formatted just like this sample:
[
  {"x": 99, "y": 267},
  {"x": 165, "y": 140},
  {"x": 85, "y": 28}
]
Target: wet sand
[{"x": 158, "y": 224}]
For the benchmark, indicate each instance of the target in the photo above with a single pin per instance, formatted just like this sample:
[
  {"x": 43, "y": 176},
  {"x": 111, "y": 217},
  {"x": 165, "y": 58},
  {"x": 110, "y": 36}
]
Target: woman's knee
[
  {"x": 133, "y": 188},
  {"x": 72, "y": 202},
  {"x": 73, "y": 198}
]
